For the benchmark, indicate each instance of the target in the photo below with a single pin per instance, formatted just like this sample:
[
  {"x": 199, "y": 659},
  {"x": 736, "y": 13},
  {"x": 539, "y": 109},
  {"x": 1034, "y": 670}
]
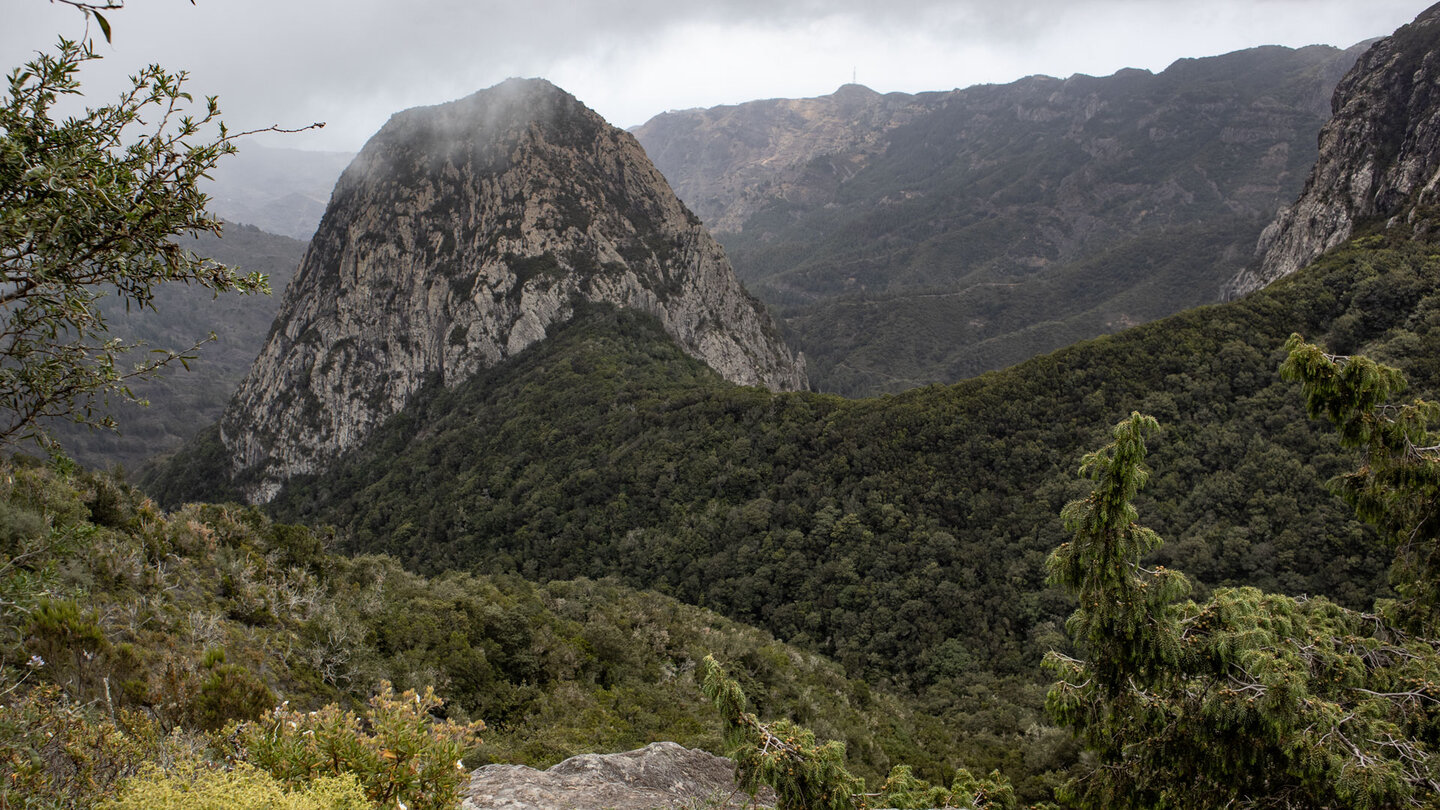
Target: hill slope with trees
[{"x": 906, "y": 240}]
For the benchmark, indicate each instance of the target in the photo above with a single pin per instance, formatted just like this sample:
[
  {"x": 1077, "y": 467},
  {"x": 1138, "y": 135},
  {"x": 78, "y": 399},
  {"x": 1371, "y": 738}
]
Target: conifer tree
[
  {"x": 1250, "y": 700},
  {"x": 1397, "y": 487}
]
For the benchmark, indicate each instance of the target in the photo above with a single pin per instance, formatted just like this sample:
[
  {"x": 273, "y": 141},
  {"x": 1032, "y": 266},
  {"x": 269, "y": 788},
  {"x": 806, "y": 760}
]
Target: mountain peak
[{"x": 457, "y": 237}]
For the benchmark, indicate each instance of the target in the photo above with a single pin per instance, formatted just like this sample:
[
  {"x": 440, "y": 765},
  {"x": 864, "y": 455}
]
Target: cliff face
[
  {"x": 1379, "y": 161},
  {"x": 456, "y": 237}
]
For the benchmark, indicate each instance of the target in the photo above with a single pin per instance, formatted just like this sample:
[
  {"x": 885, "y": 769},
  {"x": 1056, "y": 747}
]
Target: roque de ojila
[{"x": 461, "y": 233}]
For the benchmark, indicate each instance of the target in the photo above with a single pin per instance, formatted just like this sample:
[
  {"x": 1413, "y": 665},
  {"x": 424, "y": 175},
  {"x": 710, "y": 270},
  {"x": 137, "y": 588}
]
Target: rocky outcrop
[
  {"x": 661, "y": 774},
  {"x": 1379, "y": 161},
  {"x": 459, "y": 234}
]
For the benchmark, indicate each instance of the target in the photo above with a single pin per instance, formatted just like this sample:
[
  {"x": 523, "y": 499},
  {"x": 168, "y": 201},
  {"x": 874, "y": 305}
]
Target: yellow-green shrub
[{"x": 195, "y": 787}]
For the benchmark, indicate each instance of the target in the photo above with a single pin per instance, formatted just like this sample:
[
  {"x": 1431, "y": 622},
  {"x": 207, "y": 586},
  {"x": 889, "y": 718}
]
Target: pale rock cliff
[
  {"x": 459, "y": 234},
  {"x": 1379, "y": 162}
]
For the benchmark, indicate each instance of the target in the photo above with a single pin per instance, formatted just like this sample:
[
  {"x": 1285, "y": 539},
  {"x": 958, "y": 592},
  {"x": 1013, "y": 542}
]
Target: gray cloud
[{"x": 354, "y": 62}]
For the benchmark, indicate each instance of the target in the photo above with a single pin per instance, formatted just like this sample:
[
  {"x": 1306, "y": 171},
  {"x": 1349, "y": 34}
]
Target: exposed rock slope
[
  {"x": 460, "y": 233},
  {"x": 1379, "y": 160},
  {"x": 659, "y": 775},
  {"x": 914, "y": 239}
]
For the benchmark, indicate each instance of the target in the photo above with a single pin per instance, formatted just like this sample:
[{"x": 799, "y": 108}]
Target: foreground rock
[{"x": 660, "y": 775}]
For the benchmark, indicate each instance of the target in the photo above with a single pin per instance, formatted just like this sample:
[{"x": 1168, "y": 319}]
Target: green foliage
[
  {"x": 605, "y": 452},
  {"x": 1397, "y": 490},
  {"x": 57, "y": 753},
  {"x": 903, "y": 536},
  {"x": 397, "y": 752},
  {"x": 192, "y": 606},
  {"x": 194, "y": 787},
  {"x": 783, "y": 756},
  {"x": 89, "y": 206},
  {"x": 1248, "y": 700},
  {"x": 230, "y": 693},
  {"x": 1121, "y": 621},
  {"x": 808, "y": 775}
]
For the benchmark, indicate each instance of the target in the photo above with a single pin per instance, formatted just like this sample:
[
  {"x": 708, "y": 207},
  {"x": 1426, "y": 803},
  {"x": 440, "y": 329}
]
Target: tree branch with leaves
[{"x": 91, "y": 206}]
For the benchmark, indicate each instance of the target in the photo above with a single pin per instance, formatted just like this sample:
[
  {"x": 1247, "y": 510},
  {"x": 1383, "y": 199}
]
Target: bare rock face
[
  {"x": 1379, "y": 157},
  {"x": 661, "y": 774},
  {"x": 459, "y": 234}
]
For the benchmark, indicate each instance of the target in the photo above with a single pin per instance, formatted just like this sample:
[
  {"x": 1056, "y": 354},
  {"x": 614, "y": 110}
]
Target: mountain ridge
[
  {"x": 1379, "y": 157},
  {"x": 1037, "y": 209}
]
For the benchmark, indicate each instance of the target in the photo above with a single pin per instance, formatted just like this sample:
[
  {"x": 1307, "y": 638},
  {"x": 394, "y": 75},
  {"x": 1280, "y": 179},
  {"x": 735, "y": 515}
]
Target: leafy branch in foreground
[
  {"x": 91, "y": 206},
  {"x": 808, "y": 775}
]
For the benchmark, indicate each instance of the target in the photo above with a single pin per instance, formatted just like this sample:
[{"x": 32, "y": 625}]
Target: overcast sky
[{"x": 353, "y": 63}]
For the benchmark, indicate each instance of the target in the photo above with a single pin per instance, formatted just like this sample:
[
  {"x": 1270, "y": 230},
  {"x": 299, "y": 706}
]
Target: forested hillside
[
  {"x": 886, "y": 532},
  {"x": 904, "y": 535},
  {"x": 212, "y": 613},
  {"x": 906, "y": 240},
  {"x": 598, "y": 537},
  {"x": 185, "y": 400}
]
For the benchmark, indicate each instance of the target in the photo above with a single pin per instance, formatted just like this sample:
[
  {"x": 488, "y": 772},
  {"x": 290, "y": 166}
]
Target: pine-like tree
[{"x": 1251, "y": 699}]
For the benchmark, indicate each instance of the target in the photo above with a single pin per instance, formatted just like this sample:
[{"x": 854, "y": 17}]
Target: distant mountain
[
  {"x": 281, "y": 191},
  {"x": 460, "y": 235},
  {"x": 183, "y": 401},
  {"x": 913, "y": 239},
  {"x": 1379, "y": 161}
]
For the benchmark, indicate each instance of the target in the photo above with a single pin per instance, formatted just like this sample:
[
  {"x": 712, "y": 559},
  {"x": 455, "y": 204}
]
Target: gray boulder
[{"x": 660, "y": 775}]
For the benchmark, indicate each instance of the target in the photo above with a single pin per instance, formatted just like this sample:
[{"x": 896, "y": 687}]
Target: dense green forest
[{"x": 903, "y": 535}]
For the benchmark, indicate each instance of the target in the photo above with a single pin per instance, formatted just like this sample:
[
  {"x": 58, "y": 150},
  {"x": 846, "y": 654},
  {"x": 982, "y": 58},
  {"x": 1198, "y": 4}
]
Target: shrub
[
  {"x": 195, "y": 787},
  {"x": 398, "y": 751},
  {"x": 229, "y": 693},
  {"x": 57, "y": 753}
]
